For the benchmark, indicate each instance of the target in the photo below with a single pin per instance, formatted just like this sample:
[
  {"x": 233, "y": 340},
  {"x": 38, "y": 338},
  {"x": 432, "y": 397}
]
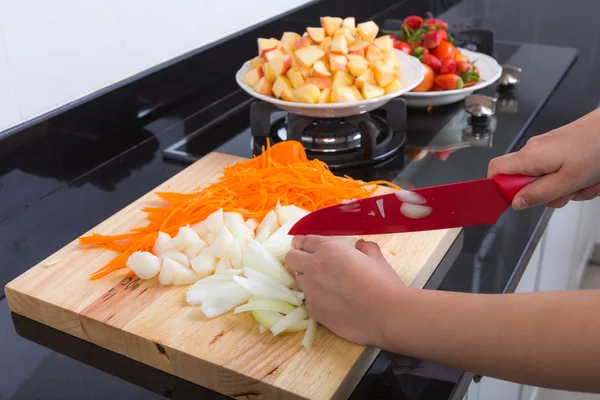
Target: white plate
[
  {"x": 489, "y": 70},
  {"x": 412, "y": 74}
]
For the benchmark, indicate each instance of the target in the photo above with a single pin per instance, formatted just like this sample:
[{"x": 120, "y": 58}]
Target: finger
[
  {"x": 371, "y": 249},
  {"x": 561, "y": 201},
  {"x": 296, "y": 260},
  {"x": 527, "y": 161},
  {"x": 301, "y": 282},
  {"x": 309, "y": 243},
  {"x": 588, "y": 193},
  {"x": 543, "y": 191}
]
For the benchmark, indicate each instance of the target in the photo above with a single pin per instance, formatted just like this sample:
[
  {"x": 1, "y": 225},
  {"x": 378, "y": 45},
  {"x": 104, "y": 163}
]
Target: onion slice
[
  {"x": 379, "y": 203},
  {"x": 257, "y": 258},
  {"x": 199, "y": 290},
  {"x": 266, "y": 305},
  {"x": 311, "y": 333},
  {"x": 268, "y": 319},
  {"x": 406, "y": 196},
  {"x": 289, "y": 213},
  {"x": 224, "y": 298},
  {"x": 267, "y": 226},
  {"x": 279, "y": 243},
  {"x": 267, "y": 280},
  {"x": 296, "y": 316},
  {"x": 415, "y": 211},
  {"x": 265, "y": 291}
]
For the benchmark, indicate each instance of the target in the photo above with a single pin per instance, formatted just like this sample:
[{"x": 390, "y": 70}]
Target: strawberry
[
  {"x": 448, "y": 66},
  {"x": 433, "y": 62},
  {"x": 470, "y": 77},
  {"x": 463, "y": 66},
  {"x": 433, "y": 24},
  {"x": 420, "y": 52},
  {"x": 444, "y": 36},
  {"x": 414, "y": 22},
  {"x": 432, "y": 39},
  {"x": 449, "y": 81}
]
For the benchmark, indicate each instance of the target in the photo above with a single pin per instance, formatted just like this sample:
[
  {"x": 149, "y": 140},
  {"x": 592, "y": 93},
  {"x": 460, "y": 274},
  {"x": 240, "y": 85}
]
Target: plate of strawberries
[{"x": 451, "y": 73}]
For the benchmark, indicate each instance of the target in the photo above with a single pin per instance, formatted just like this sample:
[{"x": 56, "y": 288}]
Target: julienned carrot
[{"x": 252, "y": 188}]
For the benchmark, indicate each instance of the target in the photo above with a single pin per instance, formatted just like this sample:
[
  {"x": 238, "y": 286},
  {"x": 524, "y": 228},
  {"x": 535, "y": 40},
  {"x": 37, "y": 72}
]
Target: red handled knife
[{"x": 479, "y": 202}]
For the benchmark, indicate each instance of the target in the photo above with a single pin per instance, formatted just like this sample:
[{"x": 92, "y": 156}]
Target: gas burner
[{"x": 360, "y": 140}]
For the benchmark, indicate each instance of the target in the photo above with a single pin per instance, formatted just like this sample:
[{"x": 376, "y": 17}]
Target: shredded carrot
[
  {"x": 393, "y": 252},
  {"x": 252, "y": 188}
]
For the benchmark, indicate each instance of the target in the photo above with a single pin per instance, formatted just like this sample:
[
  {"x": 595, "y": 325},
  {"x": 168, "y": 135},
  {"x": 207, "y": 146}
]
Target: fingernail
[{"x": 519, "y": 204}]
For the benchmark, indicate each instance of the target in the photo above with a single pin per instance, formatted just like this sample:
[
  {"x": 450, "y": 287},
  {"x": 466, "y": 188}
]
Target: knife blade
[{"x": 478, "y": 202}]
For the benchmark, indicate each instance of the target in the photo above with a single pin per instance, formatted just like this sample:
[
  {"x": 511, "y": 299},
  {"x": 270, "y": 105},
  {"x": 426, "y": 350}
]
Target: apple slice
[
  {"x": 350, "y": 23},
  {"x": 280, "y": 65},
  {"x": 384, "y": 43},
  {"x": 263, "y": 86},
  {"x": 391, "y": 60},
  {"x": 325, "y": 45},
  {"x": 342, "y": 94},
  {"x": 301, "y": 42},
  {"x": 370, "y": 91},
  {"x": 307, "y": 93},
  {"x": 359, "y": 52},
  {"x": 338, "y": 62},
  {"x": 367, "y": 77},
  {"x": 295, "y": 77},
  {"x": 393, "y": 86},
  {"x": 374, "y": 55},
  {"x": 266, "y": 44},
  {"x": 368, "y": 30},
  {"x": 316, "y": 34},
  {"x": 269, "y": 73},
  {"x": 281, "y": 83},
  {"x": 353, "y": 57},
  {"x": 320, "y": 70},
  {"x": 339, "y": 44},
  {"x": 358, "y": 66},
  {"x": 341, "y": 78},
  {"x": 288, "y": 39},
  {"x": 288, "y": 95},
  {"x": 255, "y": 62},
  {"x": 325, "y": 96},
  {"x": 307, "y": 56},
  {"x": 356, "y": 92},
  {"x": 331, "y": 24},
  {"x": 320, "y": 82},
  {"x": 346, "y": 33},
  {"x": 253, "y": 76},
  {"x": 384, "y": 75},
  {"x": 359, "y": 44},
  {"x": 269, "y": 55}
]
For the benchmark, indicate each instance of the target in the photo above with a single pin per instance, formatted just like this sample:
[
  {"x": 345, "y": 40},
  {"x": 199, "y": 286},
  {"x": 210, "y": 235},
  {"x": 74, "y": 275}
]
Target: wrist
[{"x": 396, "y": 313}]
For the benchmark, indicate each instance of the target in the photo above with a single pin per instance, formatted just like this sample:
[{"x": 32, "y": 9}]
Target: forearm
[{"x": 546, "y": 339}]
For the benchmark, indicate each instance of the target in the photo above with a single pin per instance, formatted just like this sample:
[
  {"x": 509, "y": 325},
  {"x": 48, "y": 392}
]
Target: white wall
[{"x": 54, "y": 52}]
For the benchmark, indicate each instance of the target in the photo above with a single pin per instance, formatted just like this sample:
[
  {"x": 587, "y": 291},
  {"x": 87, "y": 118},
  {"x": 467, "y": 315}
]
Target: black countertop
[{"x": 62, "y": 175}]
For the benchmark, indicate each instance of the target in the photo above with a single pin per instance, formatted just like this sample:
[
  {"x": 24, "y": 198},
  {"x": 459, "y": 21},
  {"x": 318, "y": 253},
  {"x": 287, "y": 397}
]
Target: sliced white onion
[
  {"x": 311, "y": 333},
  {"x": 267, "y": 226},
  {"x": 176, "y": 256},
  {"x": 237, "y": 227},
  {"x": 295, "y": 317},
  {"x": 299, "y": 295},
  {"x": 265, "y": 291},
  {"x": 266, "y": 305},
  {"x": 204, "y": 264},
  {"x": 199, "y": 290},
  {"x": 279, "y": 243},
  {"x": 266, "y": 318},
  {"x": 144, "y": 264},
  {"x": 224, "y": 277},
  {"x": 257, "y": 258},
  {"x": 379, "y": 203},
  {"x": 201, "y": 228},
  {"x": 235, "y": 251},
  {"x": 209, "y": 238},
  {"x": 406, "y": 196},
  {"x": 232, "y": 216},
  {"x": 221, "y": 243},
  {"x": 232, "y": 272},
  {"x": 289, "y": 213},
  {"x": 414, "y": 210},
  {"x": 161, "y": 243},
  {"x": 173, "y": 273},
  {"x": 224, "y": 298},
  {"x": 193, "y": 249},
  {"x": 223, "y": 265},
  {"x": 350, "y": 207},
  {"x": 214, "y": 222},
  {"x": 256, "y": 276},
  {"x": 252, "y": 223}
]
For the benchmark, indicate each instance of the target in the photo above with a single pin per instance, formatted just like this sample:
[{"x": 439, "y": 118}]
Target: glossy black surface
[{"x": 60, "y": 177}]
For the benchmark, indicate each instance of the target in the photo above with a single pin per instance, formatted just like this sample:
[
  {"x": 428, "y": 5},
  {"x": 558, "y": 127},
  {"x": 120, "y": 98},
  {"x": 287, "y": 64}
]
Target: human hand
[
  {"x": 348, "y": 290},
  {"x": 567, "y": 159}
]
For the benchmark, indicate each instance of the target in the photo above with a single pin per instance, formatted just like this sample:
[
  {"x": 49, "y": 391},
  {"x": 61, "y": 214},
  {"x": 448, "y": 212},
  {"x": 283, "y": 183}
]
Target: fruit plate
[
  {"x": 412, "y": 73},
  {"x": 489, "y": 70}
]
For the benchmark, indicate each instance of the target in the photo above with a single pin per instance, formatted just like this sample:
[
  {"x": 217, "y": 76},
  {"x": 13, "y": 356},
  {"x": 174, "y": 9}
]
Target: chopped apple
[
  {"x": 253, "y": 76},
  {"x": 325, "y": 96},
  {"x": 350, "y": 23},
  {"x": 367, "y": 77},
  {"x": 331, "y": 24},
  {"x": 306, "y": 72},
  {"x": 359, "y": 44},
  {"x": 320, "y": 82},
  {"x": 391, "y": 60},
  {"x": 374, "y": 55},
  {"x": 370, "y": 91},
  {"x": 339, "y": 44},
  {"x": 269, "y": 73},
  {"x": 353, "y": 57},
  {"x": 368, "y": 30},
  {"x": 384, "y": 75},
  {"x": 320, "y": 69},
  {"x": 356, "y": 92},
  {"x": 338, "y": 62},
  {"x": 295, "y": 77},
  {"x": 325, "y": 45},
  {"x": 280, "y": 65},
  {"x": 358, "y": 52},
  {"x": 269, "y": 55},
  {"x": 342, "y": 94},
  {"x": 255, "y": 62},
  {"x": 288, "y": 95},
  {"x": 281, "y": 83},
  {"x": 346, "y": 33},
  {"x": 393, "y": 86},
  {"x": 341, "y": 78},
  {"x": 358, "y": 66},
  {"x": 384, "y": 43},
  {"x": 267, "y": 44},
  {"x": 263, "y": 86},
  {"x": 308, "y": 93},
  {"x": 288, "y": 39},
  {"x": 316, "y": 34},
  {"x": 307, "y": 56},
  {"x": 299, "y": 43}
]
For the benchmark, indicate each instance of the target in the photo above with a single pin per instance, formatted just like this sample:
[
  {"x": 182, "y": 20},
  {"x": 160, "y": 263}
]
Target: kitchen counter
[{"x": 62, "y": 176}]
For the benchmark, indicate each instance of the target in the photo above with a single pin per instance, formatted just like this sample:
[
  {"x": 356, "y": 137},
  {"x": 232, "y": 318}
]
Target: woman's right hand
[{"x": 567, "y": 159}]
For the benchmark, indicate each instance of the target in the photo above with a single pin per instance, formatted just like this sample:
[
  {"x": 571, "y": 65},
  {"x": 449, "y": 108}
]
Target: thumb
[
  {"x": 543, "y": 191},
  {"x": 371, "y": 249}
]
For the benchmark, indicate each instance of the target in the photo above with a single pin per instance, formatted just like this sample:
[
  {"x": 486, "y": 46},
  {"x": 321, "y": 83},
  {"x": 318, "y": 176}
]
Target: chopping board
[{"x": 153, "y": 324}]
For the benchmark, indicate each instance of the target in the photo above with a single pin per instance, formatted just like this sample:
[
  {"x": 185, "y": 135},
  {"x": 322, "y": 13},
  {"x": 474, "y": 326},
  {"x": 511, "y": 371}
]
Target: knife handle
[{"x": 510, "y": 185}]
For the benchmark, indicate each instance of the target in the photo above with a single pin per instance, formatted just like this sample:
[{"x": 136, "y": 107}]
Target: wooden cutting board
[{"x": 153, "y": 324}]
